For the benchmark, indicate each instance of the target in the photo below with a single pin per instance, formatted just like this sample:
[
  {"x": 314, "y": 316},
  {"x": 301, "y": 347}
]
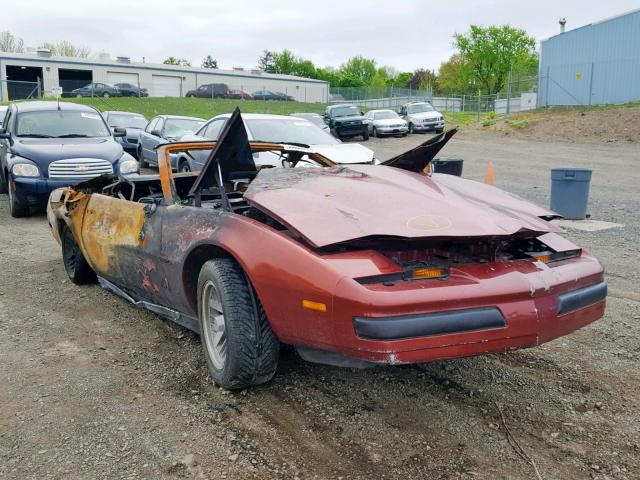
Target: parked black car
[
  {"x": 269, "y": 95},
  {"x": 46, "y": 145},
  {"x": 210, "y": 90},
  {"x": 133, "y": 123},
  {"x": 131, "y": 90},
  {"x": 97, "y": 90},
  {"x": 346, "y": 121}
]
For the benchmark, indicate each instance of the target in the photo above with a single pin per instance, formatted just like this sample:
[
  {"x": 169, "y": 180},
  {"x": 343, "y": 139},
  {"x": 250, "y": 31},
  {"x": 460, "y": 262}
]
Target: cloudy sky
[{"x": 406, "y": 34}]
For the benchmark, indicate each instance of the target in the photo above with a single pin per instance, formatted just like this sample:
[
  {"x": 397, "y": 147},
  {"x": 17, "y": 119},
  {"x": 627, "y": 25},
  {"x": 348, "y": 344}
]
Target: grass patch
[
  {"x": 195, "y": 107},
  {"x": 462, "y": 119}
]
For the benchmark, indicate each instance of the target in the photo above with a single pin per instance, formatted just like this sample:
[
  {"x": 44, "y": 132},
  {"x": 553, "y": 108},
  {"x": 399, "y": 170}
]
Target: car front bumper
[
  {"x": 392, "y": 130},
  {"x": 35, "y": 191},
  {"x": 347, "y": 130},
  {"x": 478, "y": 309},
  {"x": 428, "y": 126}
]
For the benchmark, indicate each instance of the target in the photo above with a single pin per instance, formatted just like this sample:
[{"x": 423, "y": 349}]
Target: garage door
[
  {"x": 166, "y": 86},
  {"x": 121, "y": 77}
]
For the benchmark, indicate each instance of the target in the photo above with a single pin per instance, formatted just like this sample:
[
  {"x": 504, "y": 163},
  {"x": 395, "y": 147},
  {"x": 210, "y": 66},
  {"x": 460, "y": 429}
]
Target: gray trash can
[{"x": 570, "y": 192}]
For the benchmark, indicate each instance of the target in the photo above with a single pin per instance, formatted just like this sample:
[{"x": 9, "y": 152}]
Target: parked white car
[
  {"x": 277, "y": 129},
  {"x": 385, "y": 122},
  {"x": 422, "y": 117}
]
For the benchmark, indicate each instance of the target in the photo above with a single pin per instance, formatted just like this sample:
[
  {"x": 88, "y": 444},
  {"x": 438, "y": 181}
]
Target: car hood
[
  {"x": 347, "y": 203},
  {"x": 345, "y": 153},
  {"x": 46, "y": 150},
  {"x": 425, "y": 115},
  {"x": 389, "y": 122}
]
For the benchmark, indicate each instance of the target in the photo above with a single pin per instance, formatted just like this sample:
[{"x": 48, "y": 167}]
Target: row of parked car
[
  {"x": 106, "y": 90},
  {"x": 222, "y": 90},
  {"x": 44, "y": 145}
]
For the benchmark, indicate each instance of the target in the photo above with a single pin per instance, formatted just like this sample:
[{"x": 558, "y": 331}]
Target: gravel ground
[{"x": 92, "y": 387}]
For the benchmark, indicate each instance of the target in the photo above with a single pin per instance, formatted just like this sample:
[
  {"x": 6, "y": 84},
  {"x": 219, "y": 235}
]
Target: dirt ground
[
  {"x": 577, "y": 125},
  {"x": 93, "y": 388}
]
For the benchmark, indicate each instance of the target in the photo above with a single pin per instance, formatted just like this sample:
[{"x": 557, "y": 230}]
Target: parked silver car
[
  {"x": 277, "y": 129},
  {"x": 422, "y": 117},
  {"x": 385, "y": 122}
]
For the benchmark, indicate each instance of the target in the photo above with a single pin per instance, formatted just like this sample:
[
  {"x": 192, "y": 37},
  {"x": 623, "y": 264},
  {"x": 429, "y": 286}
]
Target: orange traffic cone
[{"x": 489, "y": 178}]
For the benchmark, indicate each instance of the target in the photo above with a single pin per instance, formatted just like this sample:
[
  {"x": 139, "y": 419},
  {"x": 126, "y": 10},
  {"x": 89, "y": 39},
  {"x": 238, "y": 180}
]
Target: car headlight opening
[
  {"x": 25, "y": 170},
  {"x": 129, "y": 166}
]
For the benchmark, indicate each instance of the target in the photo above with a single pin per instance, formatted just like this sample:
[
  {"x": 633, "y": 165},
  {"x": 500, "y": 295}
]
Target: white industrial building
[{"x": 41, "y": 70}]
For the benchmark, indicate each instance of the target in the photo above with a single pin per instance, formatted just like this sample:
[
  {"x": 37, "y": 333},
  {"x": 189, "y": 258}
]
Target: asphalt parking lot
[{"x": 94, "y": 388}]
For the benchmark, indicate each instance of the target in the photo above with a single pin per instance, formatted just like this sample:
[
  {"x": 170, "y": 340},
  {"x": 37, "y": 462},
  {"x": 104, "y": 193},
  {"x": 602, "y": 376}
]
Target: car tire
[
  {"x": 17, "y": 209},
  {"x": 3, "y": 183},
  {"x": 183, "y": 166},
  {"x": 105, "y": 95},
  {"x": 365, "y": 135},
  {"x": 375, "y": 132},
  {"x": 75, "y": 265},
  {"x": 78, "y": 95},
  {"x": 239, "y": 346},
  {"x": 141, "y": 160},
  {"x": 410, "y": 127}
]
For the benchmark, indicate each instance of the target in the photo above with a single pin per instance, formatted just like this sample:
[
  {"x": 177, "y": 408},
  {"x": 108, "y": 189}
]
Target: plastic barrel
[
  {"x": 570, "y": 192},
  {"x": 448, "y": 165}
]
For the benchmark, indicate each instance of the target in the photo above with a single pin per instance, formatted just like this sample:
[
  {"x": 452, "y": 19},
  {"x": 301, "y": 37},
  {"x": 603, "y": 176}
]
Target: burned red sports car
[{"x": 359, "y": 264}]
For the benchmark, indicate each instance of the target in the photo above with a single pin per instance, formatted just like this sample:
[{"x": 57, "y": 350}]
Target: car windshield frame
[
  {"x": 424, "y": 107},
  {"x": 55, "y": 125},
  {"x": 345, "y": 111},
  {"x": 143, "y": 124},
  {"x": 294, "y": 130},
  {"x": 385, "y": 115},
  {"x": 197, "y": 124}
]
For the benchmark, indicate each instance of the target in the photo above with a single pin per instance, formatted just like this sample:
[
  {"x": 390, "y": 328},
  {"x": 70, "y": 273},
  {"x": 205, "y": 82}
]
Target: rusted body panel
[{"x": 296, "y": 234}]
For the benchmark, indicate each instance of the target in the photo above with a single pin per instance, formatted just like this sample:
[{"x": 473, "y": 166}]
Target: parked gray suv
[{"x": 422, "y": 117}]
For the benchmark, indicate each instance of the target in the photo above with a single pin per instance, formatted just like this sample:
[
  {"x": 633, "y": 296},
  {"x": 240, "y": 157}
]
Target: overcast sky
[{"x": 406, "y": 34}]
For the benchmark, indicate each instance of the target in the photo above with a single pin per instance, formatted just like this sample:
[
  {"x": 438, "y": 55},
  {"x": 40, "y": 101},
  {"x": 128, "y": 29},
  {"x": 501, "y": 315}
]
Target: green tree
[
  {"x": 401, "y": 80},
  {"x": 65, "y": 48},
  {"x": 285, "y": 62},
  {"x": 491, "y": 52},
  {"x": 209, "y": 62},
  {"x": 360, "y": 68},
  {"x": 10, "y": 43},
  {"x": 177, "y": 61},
  {"x": 454, "y": 76}
]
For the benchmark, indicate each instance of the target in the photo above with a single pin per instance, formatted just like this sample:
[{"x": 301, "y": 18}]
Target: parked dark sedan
[
  {"x": 97, "y": 90},
  {"x": 269, "y": 95},
  {"x": 130, "y": 90},
  {"x": 44, "y": 146},
  {"x": 164, "y": 129},
  {"x": 133, "y": 123},
  {"x": 210, "y": 90}
]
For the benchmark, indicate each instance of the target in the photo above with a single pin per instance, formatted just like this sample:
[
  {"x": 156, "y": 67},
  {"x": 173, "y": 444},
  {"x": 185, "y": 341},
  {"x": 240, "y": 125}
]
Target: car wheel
[
  {"x": 143, "y": 162},
  {"x": 410, "y": 127},
  {"x": 183, "y": 166},
  {"x": 75, "y": 265},
  {"x": 240, "y": 348},
  {"x": 365, "y": 135},
  {"x": 106, "y": 95},
  {"x": 17, "y": 209},
  {"x": 79, "y": 95}
]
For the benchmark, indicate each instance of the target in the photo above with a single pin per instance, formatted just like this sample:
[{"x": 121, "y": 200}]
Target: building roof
[
  {"x": 604, "y": 20},
  {"x": 155, "y": 66}
]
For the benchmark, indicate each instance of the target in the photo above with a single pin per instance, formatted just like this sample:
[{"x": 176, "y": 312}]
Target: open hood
[
  {"x": 231, "y": 159},
  {"x": 331, "y": 205},
  {"x": 417, "y": 159}
]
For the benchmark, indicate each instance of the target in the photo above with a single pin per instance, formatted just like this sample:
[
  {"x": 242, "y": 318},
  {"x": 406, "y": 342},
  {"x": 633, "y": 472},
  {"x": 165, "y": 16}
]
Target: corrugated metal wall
[{"x": 592, "y": 65}]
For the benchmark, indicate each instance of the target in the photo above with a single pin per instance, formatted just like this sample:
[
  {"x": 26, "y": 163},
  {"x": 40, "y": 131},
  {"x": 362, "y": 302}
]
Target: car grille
[
  {"x": 397, "y": 125},
  {"x": 79, "y": 168}
]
